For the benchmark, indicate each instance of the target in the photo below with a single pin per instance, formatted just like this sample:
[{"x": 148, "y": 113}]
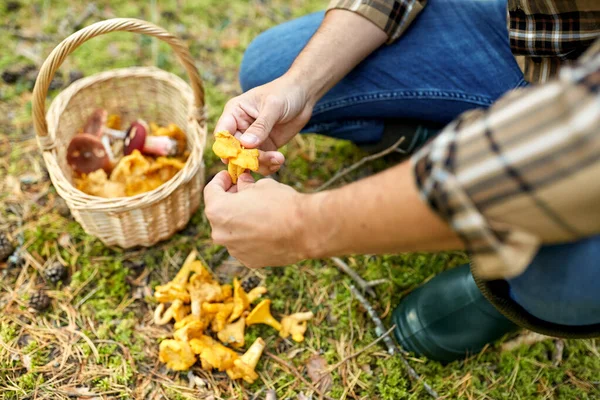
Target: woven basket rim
[{"x": 80, "y": 200}]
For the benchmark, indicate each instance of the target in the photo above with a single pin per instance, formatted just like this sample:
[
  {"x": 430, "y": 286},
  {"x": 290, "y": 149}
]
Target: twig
[
  {"x": 298, "y": 375},
  {"x": 379, "y": 327},
  {"x": 366, "y": 286},
  {"x": 379, "y": 330},
  {"x": 362, "y": 161}
]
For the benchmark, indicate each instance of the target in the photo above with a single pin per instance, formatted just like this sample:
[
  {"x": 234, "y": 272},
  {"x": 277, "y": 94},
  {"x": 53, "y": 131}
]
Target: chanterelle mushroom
[
  {"x": 233, "y": 334},
  {"x": 177, "y": 311},
  {"x": 240, "y": 301},
  {"x": 191, "y": 330},
  {"x": 255, "y": 293},
  {"x": 170, "y": 292},
  {"x": 261, "y": 314},
  {"x": 176, "y": 354},
  {"x": 138, "y": 139},
  {"x": 239, "y": 159},
  {"x": 221, "y": 311},
  {"x": 295, "y": 325},
  {"x": 213, "y": 355},
  {"x": 245, "y": 365},
  {"x": 203, "y": 292}
]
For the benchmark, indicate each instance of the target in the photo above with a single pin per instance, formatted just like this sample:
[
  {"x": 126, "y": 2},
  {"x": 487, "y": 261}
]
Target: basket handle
[{"x": 67, "y": 46}]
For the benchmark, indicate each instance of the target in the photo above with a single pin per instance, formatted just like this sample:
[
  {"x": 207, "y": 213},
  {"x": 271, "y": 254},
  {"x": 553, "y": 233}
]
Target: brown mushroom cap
[
  {"x": 86, "y": 154},
  {"x": 96, "y": 122},
  {"x": 136, "y": 137}
]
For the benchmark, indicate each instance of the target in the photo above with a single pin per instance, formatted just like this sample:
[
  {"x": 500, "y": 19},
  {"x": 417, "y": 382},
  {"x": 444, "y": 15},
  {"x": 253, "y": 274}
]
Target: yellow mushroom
[
  {"x": 213, "y": 355},
  {"x": 261, "y": 314},
  {"x": 240, "y": 301},
  {"x": 170, "y": 292},
  {"x": 203, "y": 292},
  {"x": 255, "y": 293},
  {"x": 228, "y": 147},
  {"x": 192, "y": 330},
  {"x": 233, "y": 334},
  {"x": 176, "y": 354},
  {"x": 191, "y": 264},
  {"x": 227, "y": 291},
  {"x": 188, "y": 319},
  {"x": 295, "y": 325},
  {"x": 221, "y": 312},
  {"x": 177, "y": 311},
  {"x": 245, "y": 365}
]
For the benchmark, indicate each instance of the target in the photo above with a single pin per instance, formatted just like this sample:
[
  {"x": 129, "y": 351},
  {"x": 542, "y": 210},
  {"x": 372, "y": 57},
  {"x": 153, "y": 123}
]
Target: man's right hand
[{"x": 267, "y": 117}]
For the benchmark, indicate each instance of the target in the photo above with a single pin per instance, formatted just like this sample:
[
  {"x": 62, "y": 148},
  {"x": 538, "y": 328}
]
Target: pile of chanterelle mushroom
[
  {"x": 110, "y": 162},
  {"x": 209, "y": 317}
]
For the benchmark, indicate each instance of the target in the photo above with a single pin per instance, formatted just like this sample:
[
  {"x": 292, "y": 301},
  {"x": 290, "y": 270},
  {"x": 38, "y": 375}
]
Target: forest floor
[{"x": 97, "y": 339}]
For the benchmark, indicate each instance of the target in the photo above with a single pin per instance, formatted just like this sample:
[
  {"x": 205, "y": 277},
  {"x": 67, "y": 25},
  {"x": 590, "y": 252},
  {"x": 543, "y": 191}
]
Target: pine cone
[
  {"x": 6, "y": 247},
  {"x": 39, "y": 300},
  {"x": 250, "y": 283},
  {"x": 55, "y": 272}
]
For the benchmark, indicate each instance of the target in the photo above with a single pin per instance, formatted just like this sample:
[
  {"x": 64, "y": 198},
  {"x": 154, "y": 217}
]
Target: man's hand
[
  {"x": 267, "y": 117},
  {"x": 259, "y": 223}
]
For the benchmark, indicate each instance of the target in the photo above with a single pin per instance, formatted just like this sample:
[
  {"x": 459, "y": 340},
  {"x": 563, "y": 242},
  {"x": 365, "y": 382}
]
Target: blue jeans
[{"x": 455, "y": 57}]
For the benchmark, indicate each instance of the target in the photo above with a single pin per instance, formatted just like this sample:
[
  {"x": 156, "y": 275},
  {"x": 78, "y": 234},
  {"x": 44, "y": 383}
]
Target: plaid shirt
[
  {"x": 544, "y": 34},
  {"x": 523, "y": 173}
]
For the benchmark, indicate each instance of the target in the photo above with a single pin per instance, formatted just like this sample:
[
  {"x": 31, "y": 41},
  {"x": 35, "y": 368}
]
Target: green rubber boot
[{"x": 448, "y": 318}]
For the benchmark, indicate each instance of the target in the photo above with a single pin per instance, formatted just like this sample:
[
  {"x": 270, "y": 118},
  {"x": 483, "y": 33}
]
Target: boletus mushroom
[
  {"x": 138, "y": 139},
  {"x": 97, "y": 123},
  {"x": 86, "y": 153}
]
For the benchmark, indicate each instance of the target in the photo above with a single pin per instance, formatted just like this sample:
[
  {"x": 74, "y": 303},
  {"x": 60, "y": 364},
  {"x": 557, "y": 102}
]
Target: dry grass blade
[
  {"x": 298, "y": 375},
  {"x": 367, "y": 347},
  {"x": 362, "y": 161}
]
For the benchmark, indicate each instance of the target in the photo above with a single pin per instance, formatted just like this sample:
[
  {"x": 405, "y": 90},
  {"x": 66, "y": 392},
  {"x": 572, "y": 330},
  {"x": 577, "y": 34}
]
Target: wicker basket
[{"x": 148, "y": 93}]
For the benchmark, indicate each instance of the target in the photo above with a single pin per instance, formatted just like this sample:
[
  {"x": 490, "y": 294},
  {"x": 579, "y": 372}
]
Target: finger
[
  {"x": 233, "y": 189},
  {"x": 245, "y": 181},
  {"x": 217, "y": 186},
  {"x": 270, "y": 113},
  {"x": 269, "y": 162},
  {"x": 268, "y": 144},
  {"x": 226, "y": 122}
]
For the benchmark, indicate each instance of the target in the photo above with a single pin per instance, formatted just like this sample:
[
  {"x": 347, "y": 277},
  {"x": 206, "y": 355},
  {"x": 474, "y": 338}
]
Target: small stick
[
  {"x": 363, "y": 284},
  {"x": 362, "y": 161},
  {"x": 379, "y": 330},
  {"x": 298, "y": 375},
  {"x": 379, "y": 327}
]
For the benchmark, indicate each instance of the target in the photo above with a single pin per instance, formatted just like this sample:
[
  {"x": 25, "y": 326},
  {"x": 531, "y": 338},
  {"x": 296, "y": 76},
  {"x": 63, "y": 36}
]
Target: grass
[{"x": 97, "y": 338}]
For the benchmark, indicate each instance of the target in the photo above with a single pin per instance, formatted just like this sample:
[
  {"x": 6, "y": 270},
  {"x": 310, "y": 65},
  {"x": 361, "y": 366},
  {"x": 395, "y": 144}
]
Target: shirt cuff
[{"x": 392, "y": 16}]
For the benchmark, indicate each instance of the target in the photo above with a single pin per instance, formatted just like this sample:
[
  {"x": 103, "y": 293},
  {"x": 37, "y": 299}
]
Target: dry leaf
[
  {"x": 316, "y": 368},
  {"x": 64, "y": 240}
]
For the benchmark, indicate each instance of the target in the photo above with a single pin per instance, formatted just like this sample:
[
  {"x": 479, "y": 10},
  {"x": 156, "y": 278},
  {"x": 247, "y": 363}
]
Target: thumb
[
  {"x": 245, "y": 181},
  {"x": 221, "y": 183},
  {"x": 270, "y": 113}
]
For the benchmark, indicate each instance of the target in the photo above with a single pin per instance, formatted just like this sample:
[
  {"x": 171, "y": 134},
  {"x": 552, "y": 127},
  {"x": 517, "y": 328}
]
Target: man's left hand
[{"x": 258, "y": 222}]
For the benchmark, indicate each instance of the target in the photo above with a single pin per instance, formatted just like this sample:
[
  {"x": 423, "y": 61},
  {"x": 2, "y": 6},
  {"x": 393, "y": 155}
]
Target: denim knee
[{"x": 272, "y": 52}]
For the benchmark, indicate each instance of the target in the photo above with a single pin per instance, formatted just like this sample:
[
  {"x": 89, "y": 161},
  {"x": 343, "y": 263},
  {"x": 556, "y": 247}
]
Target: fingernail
[
  {"x": 275, "y": 161},
  {"x": 249, "y": 138},
  {"x": 274, "y": 168}
]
